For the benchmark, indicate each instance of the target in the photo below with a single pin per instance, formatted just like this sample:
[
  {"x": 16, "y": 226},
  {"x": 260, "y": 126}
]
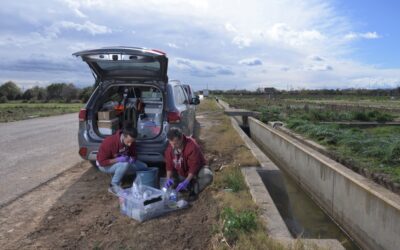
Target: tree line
[{"x": 55, "y": 92}]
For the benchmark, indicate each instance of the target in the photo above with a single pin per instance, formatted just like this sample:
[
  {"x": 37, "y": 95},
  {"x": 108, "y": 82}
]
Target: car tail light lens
[
  {"x": 159, "y": 51},
  {"x": 83, "y": 152},
  {"x": 82, "y": 115},
  {"x": 174, "y": 117}
]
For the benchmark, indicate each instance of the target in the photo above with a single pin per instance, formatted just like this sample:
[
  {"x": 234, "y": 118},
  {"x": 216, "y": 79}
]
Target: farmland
[
  {"x": 14, "y": 111},
  {"x": 371, "y": 150}
]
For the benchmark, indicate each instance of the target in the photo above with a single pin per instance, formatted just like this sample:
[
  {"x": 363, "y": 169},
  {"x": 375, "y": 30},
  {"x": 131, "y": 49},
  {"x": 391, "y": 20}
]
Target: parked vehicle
[
  {"x": 194, "y": 99},
  {"x": 132, "y": 89}
]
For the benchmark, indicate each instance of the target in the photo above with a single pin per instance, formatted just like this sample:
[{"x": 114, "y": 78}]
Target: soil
[{"x": 75, "y": 211}]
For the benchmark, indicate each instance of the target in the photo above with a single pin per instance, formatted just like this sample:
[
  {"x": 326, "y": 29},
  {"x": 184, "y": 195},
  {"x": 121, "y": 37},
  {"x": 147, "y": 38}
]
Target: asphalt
[{"x": 34, "y": 151}]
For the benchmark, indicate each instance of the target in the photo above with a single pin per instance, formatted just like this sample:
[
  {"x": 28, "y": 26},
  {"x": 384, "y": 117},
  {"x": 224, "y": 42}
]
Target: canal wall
[{"x": 367, "y": 211}]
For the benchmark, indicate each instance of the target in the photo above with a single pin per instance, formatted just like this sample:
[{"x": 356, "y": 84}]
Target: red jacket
[
  {"x": 190, "y": 160},
  {"x": 112, "y": 147}
]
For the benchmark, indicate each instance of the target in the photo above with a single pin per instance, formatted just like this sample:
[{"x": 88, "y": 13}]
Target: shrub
[
  {"x": 3, "y": 99},
  {"x": 360, "y": 116}
]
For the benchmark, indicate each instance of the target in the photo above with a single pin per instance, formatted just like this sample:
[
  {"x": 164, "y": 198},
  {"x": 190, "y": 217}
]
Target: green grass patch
[
  {"x": 237, "y": 222},
  {"x": 377, "y": 148},
  {"x": 20, "y": 111},
  {"x": 234, "y": 180}
]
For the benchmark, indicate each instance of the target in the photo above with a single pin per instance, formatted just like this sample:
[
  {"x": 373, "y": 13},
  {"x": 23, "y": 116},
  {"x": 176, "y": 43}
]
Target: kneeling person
[
  {"x": 117, "y": 156},
  {"x": 183, "y": 156}
]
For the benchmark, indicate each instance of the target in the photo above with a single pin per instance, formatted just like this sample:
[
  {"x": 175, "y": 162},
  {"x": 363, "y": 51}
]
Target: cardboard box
[
  {"x": 106, "y": 115},
  {"x": 108, "y": 127},
  {"x": 108, "y": 123}
]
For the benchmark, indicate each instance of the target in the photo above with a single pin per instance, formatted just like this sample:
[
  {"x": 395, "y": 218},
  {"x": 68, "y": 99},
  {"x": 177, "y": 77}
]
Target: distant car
[
  {"x": 194, "y": 99},
  {"x": 132, "y": 89}
]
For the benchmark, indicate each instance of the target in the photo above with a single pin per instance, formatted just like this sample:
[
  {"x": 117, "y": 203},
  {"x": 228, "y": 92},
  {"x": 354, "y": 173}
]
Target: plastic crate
[{"x": 148, "y": 206}]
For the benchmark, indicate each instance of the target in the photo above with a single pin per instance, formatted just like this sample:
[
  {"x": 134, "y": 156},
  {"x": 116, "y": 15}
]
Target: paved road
[{"x": 33, "y": 151}]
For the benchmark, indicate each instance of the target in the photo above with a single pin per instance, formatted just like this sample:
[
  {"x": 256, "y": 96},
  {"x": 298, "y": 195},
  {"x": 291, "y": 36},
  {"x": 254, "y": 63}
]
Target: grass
[
  {"x": 15, "y": 111},
  {"x": 240, "y": 226},
  {"x": 235, "y": 223},
  {"x": 376, "y": 149}
]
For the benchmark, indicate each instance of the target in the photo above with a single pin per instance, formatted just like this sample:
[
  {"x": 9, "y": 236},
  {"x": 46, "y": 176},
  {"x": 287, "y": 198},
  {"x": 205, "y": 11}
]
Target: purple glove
[
  {"x": 132, "y": 160},
  {"x": 182, "y": 185},
  {"x": 122, "y": 158},
  {"x": 169, "y": 183}
]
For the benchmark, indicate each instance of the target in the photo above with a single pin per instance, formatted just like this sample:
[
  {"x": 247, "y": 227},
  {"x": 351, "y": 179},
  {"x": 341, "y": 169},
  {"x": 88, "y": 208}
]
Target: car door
[{"x": 182, "y": 104}]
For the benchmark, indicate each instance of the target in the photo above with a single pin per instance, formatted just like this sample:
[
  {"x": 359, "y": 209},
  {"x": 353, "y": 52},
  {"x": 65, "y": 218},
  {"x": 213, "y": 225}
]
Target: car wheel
[{"x": 93, "y": 163}]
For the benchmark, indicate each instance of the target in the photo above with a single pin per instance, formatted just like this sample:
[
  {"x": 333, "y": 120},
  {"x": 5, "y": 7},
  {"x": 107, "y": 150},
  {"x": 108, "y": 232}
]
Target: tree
[
  {"x": 69, "y": 92},
  {"x": 54, "y": 91},
  {"x": 85, "y": 94},
  {"x": 35, "y": 93},
  {"x": 10, "y": 90}
]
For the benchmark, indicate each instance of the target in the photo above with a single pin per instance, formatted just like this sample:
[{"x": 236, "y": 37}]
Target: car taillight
[
  {"x": 82, "y": 115},
  {"x": 159, "y": 51},
  {"x": 83, "y": 152},
  {"x": 174, "y": 117}
]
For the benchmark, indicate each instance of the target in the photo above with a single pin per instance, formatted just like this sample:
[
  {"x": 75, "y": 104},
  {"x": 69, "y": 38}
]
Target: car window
[{"x": 179, "y": 95}]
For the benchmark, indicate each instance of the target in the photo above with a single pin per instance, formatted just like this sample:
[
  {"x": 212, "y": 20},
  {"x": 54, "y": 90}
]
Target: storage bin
[
  {"x": 149, "y": 205},
  {"x": 148, "y": 177}
]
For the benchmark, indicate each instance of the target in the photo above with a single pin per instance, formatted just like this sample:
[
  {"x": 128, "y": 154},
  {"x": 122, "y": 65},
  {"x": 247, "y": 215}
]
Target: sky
[{"x": 220, "y": 44}]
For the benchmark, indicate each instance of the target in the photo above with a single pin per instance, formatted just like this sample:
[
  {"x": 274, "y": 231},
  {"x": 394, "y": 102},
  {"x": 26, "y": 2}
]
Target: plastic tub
[{"x": 148, "y": 177}]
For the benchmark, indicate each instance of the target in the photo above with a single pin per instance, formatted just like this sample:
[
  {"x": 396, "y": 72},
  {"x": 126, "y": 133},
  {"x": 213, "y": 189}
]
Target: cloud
[
  {"x": 173, "y": 45},
  {"x": 88, "y": 27},
  {"x": 201, "y": 69},
  {"x": 251, "y": 62},
  {"x": 241, "y": 41},
  {"x": 319, "y": 67},
  {"x": 368, "y": 35},
  {"x": 283, "y": 33},
  {"x": 316, "y": 58}
]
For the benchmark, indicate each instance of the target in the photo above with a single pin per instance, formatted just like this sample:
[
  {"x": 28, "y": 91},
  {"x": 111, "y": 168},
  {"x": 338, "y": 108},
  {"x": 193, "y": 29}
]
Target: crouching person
[
  {"x": 185, "y": 161},
  {"x": 117, "y": 156}
]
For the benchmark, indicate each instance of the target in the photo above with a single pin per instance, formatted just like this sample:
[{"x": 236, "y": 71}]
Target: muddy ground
[{"x": 75, "y": 211}]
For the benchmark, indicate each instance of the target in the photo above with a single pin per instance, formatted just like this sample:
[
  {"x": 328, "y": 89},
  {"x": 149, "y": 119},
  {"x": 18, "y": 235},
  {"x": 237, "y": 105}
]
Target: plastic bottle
[{"x": 172, "y": 198}]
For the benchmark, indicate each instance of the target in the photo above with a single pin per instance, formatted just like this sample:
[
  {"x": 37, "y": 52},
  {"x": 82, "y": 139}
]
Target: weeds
[
  {"x": 237, "y": 222},
  {"x": 235, "y": 180}
]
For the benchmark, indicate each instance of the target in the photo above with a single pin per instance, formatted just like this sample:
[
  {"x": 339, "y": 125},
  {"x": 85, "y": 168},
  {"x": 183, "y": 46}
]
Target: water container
[{"x": 148, "y": 177}]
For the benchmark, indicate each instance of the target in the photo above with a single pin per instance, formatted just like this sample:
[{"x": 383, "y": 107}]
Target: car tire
[{"x": 93, "y": 163}]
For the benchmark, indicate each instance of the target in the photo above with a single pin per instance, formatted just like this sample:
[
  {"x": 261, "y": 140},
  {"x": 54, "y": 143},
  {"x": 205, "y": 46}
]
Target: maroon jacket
[
  {"x": 190, "y": 160},
  {"x": 112, "y": 147}
]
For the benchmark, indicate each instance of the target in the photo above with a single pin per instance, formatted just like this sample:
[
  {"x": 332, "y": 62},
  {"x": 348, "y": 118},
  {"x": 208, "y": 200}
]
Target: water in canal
[{"x": 301, "y": 214}]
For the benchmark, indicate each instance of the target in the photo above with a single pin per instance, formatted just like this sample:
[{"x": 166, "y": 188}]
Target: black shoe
[{"x": 192, "y": 196}]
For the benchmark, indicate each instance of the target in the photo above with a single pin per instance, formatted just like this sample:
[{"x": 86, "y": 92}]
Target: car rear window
[{"x": 130, "y": 67}]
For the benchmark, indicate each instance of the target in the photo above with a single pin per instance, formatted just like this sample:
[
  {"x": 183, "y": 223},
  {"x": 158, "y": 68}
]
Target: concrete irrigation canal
[{"x": 303, "y": 193}]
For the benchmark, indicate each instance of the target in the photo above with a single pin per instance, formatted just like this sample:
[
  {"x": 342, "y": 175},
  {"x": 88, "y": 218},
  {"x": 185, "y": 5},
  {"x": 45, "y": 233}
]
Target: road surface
[{"x": 33, "y": 151}]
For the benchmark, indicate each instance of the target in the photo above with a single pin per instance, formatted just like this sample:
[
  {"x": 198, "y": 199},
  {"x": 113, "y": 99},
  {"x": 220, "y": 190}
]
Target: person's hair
[
  {"x": 174, "y": 132},
  {"x": 132, "y": 132}
]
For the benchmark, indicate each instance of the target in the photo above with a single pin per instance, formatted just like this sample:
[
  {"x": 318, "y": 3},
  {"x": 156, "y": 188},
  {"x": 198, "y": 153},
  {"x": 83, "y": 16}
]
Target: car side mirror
[{"x": 196, "y": 100}]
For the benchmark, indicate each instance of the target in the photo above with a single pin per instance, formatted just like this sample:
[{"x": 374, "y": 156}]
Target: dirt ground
[{"x": 75, "y": 211}]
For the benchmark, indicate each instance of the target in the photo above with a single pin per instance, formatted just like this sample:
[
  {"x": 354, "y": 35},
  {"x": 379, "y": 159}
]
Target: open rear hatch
[
  {"x": 133, "y": 83},
  {"x": 119, "y": 63},
  {"x": 129, "y": 105}
]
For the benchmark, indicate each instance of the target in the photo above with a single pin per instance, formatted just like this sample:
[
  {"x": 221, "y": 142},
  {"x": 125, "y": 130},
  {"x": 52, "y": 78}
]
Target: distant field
[
  {"x": 375, "y": 103},
  {"x": 15, "y": 111},
  {"x": 376, "y": 149}
]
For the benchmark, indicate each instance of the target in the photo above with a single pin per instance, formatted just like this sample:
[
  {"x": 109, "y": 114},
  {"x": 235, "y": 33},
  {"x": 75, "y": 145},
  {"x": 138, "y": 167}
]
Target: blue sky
[{"x": 287, "y": 44}]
